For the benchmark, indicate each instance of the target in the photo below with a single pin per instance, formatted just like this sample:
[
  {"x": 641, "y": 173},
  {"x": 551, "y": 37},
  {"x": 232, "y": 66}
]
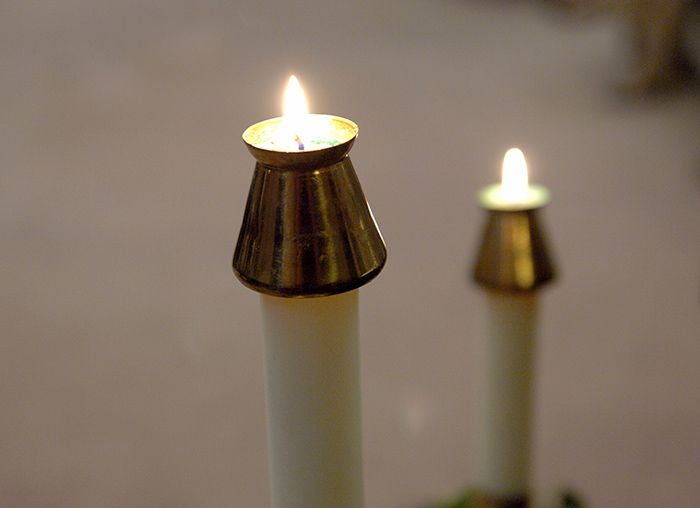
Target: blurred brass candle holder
[{"x": 513, "y": 255}]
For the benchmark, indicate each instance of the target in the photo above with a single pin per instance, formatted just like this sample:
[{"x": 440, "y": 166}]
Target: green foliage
[
  {"x": 571, "y": 500},
  {"x": 474, "y": 499},
  {"x": 466, "y": 500}
]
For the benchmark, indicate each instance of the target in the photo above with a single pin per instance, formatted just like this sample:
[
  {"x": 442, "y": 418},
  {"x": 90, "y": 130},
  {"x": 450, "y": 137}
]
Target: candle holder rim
[
  {"x": 248, "y": 132},
  {"x": 501, "y": 288},
  {"x": 312, "y": 291},
  {"x": 303, "y": 159},
  {"x": 538, "y": 197}
]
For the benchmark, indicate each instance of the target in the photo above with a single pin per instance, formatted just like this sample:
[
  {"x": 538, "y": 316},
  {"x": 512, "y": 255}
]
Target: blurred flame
[{"x": 514, "y": 184}]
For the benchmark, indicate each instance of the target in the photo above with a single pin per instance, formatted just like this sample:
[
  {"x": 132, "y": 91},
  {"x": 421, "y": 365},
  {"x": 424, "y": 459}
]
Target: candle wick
[{"x": 299, "y": 142}]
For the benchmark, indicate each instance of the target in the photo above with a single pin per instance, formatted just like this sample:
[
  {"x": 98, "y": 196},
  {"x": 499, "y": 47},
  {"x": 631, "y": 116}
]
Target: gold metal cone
[
  {"x": 513, "y": 255},
  {"x": 307, "y": 229}
]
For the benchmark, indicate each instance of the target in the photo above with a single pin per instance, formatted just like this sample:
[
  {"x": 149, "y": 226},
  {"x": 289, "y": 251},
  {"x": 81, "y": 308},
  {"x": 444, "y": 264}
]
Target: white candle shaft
[
  {"x": 313, "y": 401},
  {"x": 503, "y": 457}
]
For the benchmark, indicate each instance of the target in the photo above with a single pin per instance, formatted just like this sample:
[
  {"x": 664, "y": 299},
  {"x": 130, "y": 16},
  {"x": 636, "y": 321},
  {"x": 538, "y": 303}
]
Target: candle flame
[
  {"x": 294, "y": 99},
  {"x": 514, "y": 183},
  {"x": 295, "y": 111}
]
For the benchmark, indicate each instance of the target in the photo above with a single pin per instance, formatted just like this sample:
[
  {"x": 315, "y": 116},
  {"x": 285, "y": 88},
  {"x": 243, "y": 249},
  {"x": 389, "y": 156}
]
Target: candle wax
[
  {"x": 505, "y": 406},
  {"x": 312, "y": 385}
]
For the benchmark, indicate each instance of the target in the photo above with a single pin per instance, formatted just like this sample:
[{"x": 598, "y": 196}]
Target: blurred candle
[{"x": 511, "y": 265}]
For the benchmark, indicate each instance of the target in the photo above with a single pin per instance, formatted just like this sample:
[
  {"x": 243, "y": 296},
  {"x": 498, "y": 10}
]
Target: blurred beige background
[{"x": 130, "y": 357}]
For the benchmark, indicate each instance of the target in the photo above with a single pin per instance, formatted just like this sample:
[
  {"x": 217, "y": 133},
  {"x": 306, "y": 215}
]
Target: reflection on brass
[
  {"x": 307, "y": 228},
  {"x": 513, "y": 255}
]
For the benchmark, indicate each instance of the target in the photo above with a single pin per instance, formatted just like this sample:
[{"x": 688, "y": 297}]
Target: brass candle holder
[
  {"x": 307, "y": 228},
  {"x": 513, "y": 255}
]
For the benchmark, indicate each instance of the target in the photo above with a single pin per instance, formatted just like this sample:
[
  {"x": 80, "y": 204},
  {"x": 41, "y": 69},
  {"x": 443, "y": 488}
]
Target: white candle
[
  {"x": 503, "y": 456},
  {"x": 507, "y": 351},
  {"x": 313, "y": 401}
]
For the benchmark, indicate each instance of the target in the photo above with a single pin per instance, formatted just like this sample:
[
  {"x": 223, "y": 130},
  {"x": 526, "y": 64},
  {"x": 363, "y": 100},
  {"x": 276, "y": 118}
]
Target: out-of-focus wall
[{"x": 130, "y": 358}]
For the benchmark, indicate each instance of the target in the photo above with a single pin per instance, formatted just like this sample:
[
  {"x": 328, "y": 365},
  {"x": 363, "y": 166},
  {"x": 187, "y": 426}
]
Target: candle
[
  {"x": 512, "y": 264},
  {"x": 307, "y": 243},
  {"x": 313, "y": 400}
]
